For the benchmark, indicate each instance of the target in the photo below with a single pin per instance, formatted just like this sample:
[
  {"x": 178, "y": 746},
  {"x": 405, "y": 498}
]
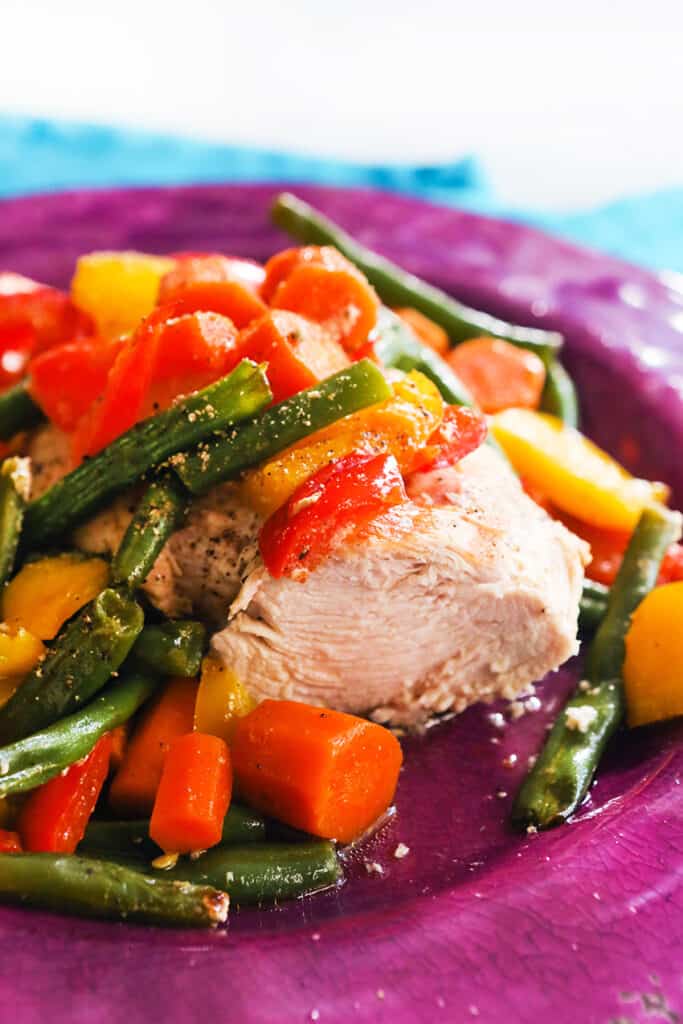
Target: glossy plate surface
[{"x": 584, "y": 924}]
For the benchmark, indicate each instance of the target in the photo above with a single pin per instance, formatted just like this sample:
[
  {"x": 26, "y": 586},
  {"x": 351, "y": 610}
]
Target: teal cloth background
[{"x": 39, "y": 155}]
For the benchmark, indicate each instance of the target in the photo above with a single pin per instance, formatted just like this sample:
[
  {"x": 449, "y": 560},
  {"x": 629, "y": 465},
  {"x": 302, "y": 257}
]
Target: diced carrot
[
  {"x": 326, "y": 772},
  {"x": 10, "y": 842},
  {"x": 499, "y": 375},
  {"x": 216, "y": 284},
  {"x": 135, "y": 784},
  {"x": 325, "y": 287},
  {"x": 426, "y": 330},
  {"x": 280, "y": 266},
  {"x": 299, "y": 353},
  {"x": 193, "y": 795},
  {"x": 54, "y": 818}
]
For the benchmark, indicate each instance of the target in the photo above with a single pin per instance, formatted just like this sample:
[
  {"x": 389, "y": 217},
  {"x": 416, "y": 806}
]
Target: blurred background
[{"x": 561, "y": 109}]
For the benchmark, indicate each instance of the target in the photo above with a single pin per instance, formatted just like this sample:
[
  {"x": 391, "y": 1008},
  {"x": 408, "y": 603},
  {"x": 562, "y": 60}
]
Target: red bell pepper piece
[
  {"x": 193, "y": 795},
  {"x": 332, "y": 505},
  {"x": 10, "y": 842},
  {"x": 54, "y": 818},
  {"x": 66, "y": 380},
  {"x": 299, "y": 353},
  {"x": 169, "y": 354},
  {"x": 47, "y": 313},
  {"x": 216, "y": 284},
  {"x": 461, "y": 431}
]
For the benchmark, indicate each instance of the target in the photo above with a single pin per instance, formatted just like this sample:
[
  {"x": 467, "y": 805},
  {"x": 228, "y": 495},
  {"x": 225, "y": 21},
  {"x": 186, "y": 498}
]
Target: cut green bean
[
  {"x": 397, "y": 287},
  {"x": 559, "y": 780},
  {"x": 95, "y": 888},
  {"x": 223, "y": 458},
  {"x": 171, "y": 648},
  {"x": 263, "y": 873},
  {"x": 397, "y": 346},
  {"x": 160, "y": 513},
  {"x": 38, "y": 758},
  {"x": 79, "y": 663},
  {"x": 559, "y": 394},
  {"x": 192, "y": 419},
  {"x": 18, "y": 411},
  {"x": 14, "y": 488},
  {"x": 131, "y": 838},
  {"x": 593, "y": 605}
]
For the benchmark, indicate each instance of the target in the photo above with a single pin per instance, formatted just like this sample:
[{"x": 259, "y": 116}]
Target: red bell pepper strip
[
  {"x": 193, "y": 795},
  {"x": 54, "y": 818},
  {"x": 169, "y": 354},
  {"x": 299, "y": 353},
  {"x": 333, "y": 504},
  {"x": 216, "y": 284},
  {"x": 66, "y": 380},
  {"x": 10, "y": 842},
  {"x": 461, "y": 431},
  {"x": 46, "y": 312}
]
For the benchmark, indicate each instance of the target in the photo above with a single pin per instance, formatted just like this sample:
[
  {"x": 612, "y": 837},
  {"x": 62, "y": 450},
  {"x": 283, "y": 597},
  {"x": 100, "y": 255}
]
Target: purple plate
[{"x": 475, "y": 923}]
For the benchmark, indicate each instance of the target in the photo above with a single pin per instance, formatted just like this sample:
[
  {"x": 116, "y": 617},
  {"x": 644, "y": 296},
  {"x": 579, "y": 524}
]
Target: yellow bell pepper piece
[
  {"x": 19, "y": 652},
  {"x": 576, "y": 475},
  {"x": 401, "y": 426},
  {"x": 221, "y": 700},
  {"x": 44, "y": 594},
  {"x": 118, "y": 288},
  {"x": 653, "y": 666}
]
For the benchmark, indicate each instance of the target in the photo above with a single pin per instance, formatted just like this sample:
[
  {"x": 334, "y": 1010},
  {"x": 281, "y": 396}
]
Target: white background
[{"x": 568, "y": 103}]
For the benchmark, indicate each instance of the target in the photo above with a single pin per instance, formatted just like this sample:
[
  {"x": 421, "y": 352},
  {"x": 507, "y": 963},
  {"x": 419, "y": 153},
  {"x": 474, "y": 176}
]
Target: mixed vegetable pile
[{"x": 317, "y": 382}]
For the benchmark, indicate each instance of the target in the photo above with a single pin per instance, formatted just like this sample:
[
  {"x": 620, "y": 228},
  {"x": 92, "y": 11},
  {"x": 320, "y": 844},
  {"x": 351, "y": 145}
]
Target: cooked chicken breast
[{"x": 468, "y": 594}]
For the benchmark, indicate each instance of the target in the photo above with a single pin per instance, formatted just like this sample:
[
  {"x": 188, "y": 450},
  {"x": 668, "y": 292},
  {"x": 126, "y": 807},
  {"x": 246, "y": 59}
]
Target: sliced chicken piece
[
  {"x": 476, "y": 599},
  {"x": 471, "y": 594}
]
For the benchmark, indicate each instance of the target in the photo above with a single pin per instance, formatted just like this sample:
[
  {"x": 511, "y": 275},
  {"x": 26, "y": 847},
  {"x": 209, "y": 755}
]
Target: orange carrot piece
[
  {"x": 54, "y": 818},
  {"x": 427, "y": 331},
  {"x": 119, "y": 742},
  {"x": 134, "y": 787},
  {"x": 326, "y": 772},
  {"x": 193, "y": 795},
  {"x": 216, "y": 284},
  {"x": 325, "y": 287},
  {"x": 280, "y": 266},
  {"x": 499, "y": 375},
  {"x": 10, "y": 842},
  {"x": 299, "y": 353}
]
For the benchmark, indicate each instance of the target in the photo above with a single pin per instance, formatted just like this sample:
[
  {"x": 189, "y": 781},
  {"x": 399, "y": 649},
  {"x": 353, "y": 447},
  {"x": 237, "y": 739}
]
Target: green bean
[
  {"x": 159, "y": 513},
  {"x": 192, "y": 419},
  {"x": 171, "y": 648},
  {"x": 18, "y": 411},
  {"x": 396, "y": 287},
  {"x": 79, "y": 663},
  {"x": 593, "y": 605},
  {"x": 14, "y": 486},
  {"x": 131, "y": 838},
  {"x": 559, "y": 394},
  {"x": 562, "y": 774},
  {"x": 397, "y": 346},
  {"x": 262, "y": 873},
  {"x": 38, "y": 758},
  {"x": 95, "y": 888},
  {"x": 222, "y": 458}
]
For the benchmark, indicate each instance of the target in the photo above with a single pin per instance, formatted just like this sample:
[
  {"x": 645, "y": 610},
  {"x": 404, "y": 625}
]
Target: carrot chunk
[
  {"x": 54, "y": 817},
  {"x": 426, "y": 330},
  {"x": 326, "y": 772},
  {"x": 193, "y": 795},
  {"x": 499, "y": 375},
  {"x": 322, "y": 285},
  {"x": 216, "y": 284},
  {"x": 299, "y": 353},
  {"x": 137, "y": 780}
]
